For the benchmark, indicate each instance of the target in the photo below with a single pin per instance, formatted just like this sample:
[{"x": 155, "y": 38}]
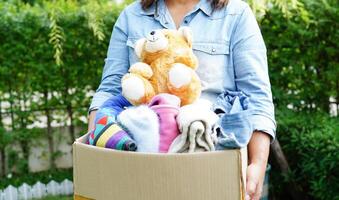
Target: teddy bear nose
[{"x": 152, "y": 32}]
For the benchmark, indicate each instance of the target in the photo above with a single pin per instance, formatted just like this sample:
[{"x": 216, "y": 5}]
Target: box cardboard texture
[{"x": 106, "y": 174}]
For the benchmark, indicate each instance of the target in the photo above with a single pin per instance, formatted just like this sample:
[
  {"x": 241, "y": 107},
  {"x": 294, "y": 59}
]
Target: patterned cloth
[{"x": 107, "y": 132}]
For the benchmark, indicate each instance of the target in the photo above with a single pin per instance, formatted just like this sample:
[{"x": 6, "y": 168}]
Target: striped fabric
[{"x": 110, "y": 135}]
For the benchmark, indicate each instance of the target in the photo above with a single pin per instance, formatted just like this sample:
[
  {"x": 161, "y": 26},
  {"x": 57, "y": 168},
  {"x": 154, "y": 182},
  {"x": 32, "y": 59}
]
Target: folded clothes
[
  {"x": 195, "y": 123},
  {"x": 234, "y": 129},
  {"x": 142, "y": 124},
  {"x": 167, "y": 108}
]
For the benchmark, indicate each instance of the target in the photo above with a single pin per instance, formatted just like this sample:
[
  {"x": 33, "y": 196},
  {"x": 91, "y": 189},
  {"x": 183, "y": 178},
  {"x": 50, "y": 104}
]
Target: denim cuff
[
  {"x": 264, "y": 124},
  {"x": 98, "y": 99}
]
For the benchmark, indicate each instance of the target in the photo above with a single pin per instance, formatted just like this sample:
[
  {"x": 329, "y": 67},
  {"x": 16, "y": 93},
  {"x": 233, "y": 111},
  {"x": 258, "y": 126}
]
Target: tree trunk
[
  {"x": 281, "y": 160},
  {"x": 2, "y": 150},
  {"x": 11, "y": 106},
  {"x": 23, "y": 126},
  {"x": 25, "y": 151},
  {"x": 49, "y": 131},
  {"x": 71, "y": 126},
  {"x": 1, "y": 124},
  {"x": 3, "y": 162},
  {"x": 69, "y": 108}
]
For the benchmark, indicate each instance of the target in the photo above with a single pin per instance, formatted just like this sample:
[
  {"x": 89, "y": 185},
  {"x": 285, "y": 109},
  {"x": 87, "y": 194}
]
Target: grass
[{"x": 57, "y": 198}]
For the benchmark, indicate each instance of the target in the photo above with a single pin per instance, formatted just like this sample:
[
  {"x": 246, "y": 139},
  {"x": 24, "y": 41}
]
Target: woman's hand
[
  {"x": 91, "y": 118},
  {"x": 258, "y": 151}
]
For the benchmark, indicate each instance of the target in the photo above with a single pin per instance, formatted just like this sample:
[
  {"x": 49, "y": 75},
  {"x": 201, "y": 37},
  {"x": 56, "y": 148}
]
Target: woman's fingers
[{"x": 254, "y": 181}]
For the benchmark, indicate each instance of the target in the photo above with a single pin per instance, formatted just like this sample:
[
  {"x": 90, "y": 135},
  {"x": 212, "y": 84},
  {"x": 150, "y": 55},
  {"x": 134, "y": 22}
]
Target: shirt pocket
[
  {"x": 213, "y": 62},
  {"x": 132, "y": 57}
]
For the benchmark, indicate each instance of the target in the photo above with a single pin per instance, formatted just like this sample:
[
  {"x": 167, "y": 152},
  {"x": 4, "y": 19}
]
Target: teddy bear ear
[
  {"x": 187, "y": 34},
  {"x": 139, "y": 47}
]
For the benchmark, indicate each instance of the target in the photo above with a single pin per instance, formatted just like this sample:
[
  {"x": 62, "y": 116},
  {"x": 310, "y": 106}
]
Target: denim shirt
[{"x": 227, "y": 42}]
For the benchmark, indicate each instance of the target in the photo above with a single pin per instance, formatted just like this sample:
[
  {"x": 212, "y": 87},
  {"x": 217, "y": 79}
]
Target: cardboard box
[{"x": 106, "y": 174}]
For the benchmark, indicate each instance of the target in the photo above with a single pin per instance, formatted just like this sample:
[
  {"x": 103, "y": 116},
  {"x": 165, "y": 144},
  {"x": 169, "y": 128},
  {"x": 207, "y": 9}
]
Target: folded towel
[
  {"x": 142, "y": 124},
  {"x": 195, "y": 123},
  {"x": 167, "y": 108}
]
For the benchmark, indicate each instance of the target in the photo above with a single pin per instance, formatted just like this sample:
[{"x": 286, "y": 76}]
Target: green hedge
[
  {"x": 51, "y": 56},
  {"x": 31, "y": 178},
  {"x": 311, "y": 144},
  {"x": 304, "y": 70}
]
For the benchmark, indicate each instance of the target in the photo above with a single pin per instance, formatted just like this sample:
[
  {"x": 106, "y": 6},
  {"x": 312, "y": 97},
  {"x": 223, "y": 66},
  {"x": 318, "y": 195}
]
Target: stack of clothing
[
  {"x": 144, "y": 128},
  {"x": 163, "y": 126}
]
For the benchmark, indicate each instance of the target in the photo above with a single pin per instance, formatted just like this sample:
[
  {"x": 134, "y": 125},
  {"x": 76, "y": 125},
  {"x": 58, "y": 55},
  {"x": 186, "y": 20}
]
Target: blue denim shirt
[{"x": 227, "y": 42}]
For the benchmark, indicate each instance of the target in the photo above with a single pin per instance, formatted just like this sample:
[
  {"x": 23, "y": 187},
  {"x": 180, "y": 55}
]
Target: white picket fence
[{"x": 37, "y": 191}]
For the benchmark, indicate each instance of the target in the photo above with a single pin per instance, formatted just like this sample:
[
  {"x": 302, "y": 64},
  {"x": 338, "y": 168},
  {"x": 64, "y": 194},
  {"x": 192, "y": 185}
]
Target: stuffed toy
[{"x": 167, "y": 65}]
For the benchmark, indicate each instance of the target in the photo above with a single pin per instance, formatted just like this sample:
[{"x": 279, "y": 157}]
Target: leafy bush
[
  {"x": 311, "y": 144},
  {"x": 51, "y": 58},
  {"x": 31, "y": 178},
  {"x": 304, "y": 71},
  {"x": 303, "y": 56}
]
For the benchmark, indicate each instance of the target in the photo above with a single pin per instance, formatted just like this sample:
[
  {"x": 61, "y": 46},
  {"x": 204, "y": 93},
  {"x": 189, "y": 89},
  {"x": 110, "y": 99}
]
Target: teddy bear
[{"x": 167, "y": 65}]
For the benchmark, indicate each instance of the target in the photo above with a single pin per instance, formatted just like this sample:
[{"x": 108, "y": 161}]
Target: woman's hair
[{"x": 215, "y": 4}]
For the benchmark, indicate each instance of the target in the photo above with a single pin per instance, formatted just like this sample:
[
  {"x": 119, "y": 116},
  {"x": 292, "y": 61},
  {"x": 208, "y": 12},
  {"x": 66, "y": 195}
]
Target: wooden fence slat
[
  {"x": 53, "y": 188},
  {"x": 11, "y": 193},
  {"x": 25, "y": 192},
  {"x": 38, "y": 190},
  {"x": 67, "y": 187}
]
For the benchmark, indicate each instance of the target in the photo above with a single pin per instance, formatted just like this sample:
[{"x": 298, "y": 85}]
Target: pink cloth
[{"x": 167, "y": 107}]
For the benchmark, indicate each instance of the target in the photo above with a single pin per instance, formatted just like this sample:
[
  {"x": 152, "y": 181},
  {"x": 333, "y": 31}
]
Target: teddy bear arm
[
  {"x": 189, "y": 60},
  {"x": 136, "y": 89},
  {"x": 142, "y": 69}
]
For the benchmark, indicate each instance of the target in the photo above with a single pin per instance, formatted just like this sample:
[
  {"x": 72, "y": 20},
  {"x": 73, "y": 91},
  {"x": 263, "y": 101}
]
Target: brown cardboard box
[{"x": 106, "y": 174}]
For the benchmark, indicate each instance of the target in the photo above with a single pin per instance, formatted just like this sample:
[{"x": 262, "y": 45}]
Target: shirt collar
[
  {"x": 205, "y": 6},
  {"x": 159, "y": 6}
]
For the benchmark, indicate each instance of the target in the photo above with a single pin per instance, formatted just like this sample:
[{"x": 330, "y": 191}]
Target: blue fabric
[
  {"x": 112, "y": 107},
  {"x": 234, "y": 128},
  {"x": 227, "y": 42}
]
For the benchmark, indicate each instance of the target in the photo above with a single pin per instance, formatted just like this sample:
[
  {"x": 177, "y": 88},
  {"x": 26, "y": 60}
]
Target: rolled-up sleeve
[
  {"x": 251, "y": 71},
  {"x": 116, "y": 64}
]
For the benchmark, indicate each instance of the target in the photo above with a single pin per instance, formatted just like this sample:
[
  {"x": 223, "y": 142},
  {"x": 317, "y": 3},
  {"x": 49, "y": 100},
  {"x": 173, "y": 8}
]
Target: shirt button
[
  {"x": 166, "y": 22},
  {"x": 185, "y": 21},
  {"x": 213, "y": 50}
]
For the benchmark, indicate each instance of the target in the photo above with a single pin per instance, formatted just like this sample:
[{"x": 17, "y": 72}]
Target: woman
[{"x": 231, "y": 53}]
